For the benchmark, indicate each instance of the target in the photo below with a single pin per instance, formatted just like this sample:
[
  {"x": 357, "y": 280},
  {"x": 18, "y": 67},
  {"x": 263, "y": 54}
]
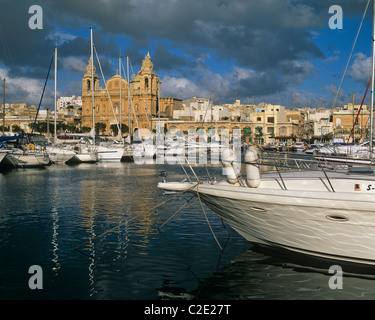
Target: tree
[
  {"x": 41, "y": 127},
  {"x": 6, "y": 128},
  {"x": 17, "y": 129},
  {"x": 124, "y": 129},
  {"x": 114, "y": 129},
  {"x": 100, "y": 127}
]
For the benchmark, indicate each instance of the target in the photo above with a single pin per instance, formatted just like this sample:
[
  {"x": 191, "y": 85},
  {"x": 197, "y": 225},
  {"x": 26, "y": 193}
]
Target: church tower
[
  {"x": 87, "y": 94},
  {"x": 143, "y": 99},
  {"x": 87, "y": 79},
  {"x": 146, "y": 85}
]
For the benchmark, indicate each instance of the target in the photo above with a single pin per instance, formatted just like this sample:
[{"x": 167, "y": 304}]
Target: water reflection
[
  {"x": 106, "y": 208},
  {"x": 110, "y": 197},
  {"x": 255, "y": 274}
]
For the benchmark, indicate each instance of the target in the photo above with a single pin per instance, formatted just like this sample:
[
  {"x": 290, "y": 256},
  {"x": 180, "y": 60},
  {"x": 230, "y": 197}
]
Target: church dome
[{"x": 114, "y": 83}]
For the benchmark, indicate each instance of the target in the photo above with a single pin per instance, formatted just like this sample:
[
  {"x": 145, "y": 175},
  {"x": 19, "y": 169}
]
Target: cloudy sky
[{"x": 277, "y": 51}]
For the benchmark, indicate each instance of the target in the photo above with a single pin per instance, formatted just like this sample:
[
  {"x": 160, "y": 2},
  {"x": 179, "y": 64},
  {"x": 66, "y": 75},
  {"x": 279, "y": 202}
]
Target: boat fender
[
  {"x": 252, "y": 170},
  {"x": 231, "y": 166},
  {"x": 30, "y": 146}
]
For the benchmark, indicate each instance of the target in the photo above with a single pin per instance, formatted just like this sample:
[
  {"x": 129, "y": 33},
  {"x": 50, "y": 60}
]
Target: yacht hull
[
  {"x": 60, "y": 155},
  {"x": 336, "y": 225},
  {"x": 84, "y": 158},
  {"x": 31, "y": 160},
  {"x": 110, "y": 154},
  {"x": 6, "y": 162}
]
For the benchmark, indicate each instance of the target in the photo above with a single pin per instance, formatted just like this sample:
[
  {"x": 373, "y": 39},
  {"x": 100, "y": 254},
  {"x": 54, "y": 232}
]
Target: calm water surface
[{"x": 106, "y": 211}]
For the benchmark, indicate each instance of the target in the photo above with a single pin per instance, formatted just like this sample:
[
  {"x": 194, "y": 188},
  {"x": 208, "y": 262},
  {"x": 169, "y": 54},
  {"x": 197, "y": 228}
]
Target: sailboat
[
  {"x": 22, "y": 151},
  {"x": 6, "y": 161},
  {"x": 105, "y": 153},
  {"x": 57, "y": 153},
  {"x": 25, "y": 151},
  {"x": 137, "y": 149},
  {"x": 305, "y": 209},
  {"x": 82, "y": 146}
]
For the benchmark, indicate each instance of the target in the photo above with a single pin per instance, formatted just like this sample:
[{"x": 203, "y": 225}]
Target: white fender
[
  {"x": 252, "y": 171},
  {"x": 232, "y": 167}
]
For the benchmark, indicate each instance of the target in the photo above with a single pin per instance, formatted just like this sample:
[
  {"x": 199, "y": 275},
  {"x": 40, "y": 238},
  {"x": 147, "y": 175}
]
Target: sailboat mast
[
  {"x": 372, "y": 84},
  {"x": 119, "y": 68},
  {"x": 4, "y": 109},
  {"x": 92, "y": 84},
  {"x": 55, "y": 121},
  {"x": 127, "y": 68}
]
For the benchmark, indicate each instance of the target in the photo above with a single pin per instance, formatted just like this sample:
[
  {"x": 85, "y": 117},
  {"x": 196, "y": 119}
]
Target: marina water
[{"x": 96, "y": 231}]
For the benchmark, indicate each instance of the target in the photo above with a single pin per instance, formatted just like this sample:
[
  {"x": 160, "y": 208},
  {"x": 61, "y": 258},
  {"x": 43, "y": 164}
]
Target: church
[{"x": 143, "y": 104}]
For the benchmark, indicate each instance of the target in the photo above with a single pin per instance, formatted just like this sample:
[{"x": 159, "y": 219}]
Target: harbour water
[{"x": 97, "y": 232}]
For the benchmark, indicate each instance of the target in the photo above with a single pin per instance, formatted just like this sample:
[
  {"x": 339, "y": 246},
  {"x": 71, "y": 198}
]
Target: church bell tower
[{"x": 87, "y": 79}]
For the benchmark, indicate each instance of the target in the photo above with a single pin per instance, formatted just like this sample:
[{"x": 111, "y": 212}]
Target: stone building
[
  {"x": 143, "y": 103},
  {"x": 343, "y": 119}
]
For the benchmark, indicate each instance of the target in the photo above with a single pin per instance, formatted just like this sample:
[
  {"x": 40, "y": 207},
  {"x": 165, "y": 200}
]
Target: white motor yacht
[{"x": 319, "y": 213}]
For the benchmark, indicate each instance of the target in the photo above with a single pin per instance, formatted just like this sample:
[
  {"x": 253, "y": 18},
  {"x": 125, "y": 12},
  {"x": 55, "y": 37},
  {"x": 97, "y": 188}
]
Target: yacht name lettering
[{"x": 370, "y": 187}]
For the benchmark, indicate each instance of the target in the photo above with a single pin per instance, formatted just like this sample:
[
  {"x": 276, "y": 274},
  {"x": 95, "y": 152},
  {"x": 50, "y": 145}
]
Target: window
[
  {"x": 271, "y": 119},
  {"x": 259, "y": 119},
  {"x": 283, "y": 131},
  {"x": 88, "y": 85},
  {"x": 146, "y": 83}
]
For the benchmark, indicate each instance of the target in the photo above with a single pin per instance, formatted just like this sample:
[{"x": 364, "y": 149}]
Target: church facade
[{"x": 138, "y": 110}]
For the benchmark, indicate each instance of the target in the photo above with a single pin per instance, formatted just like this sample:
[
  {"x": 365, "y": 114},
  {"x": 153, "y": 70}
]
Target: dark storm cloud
[
  {"x": 166, "y": 60},
  {"x": 22, "y": 49},
  {"x": 268, "y": 39},
  {"x": 245, "y": 30}
]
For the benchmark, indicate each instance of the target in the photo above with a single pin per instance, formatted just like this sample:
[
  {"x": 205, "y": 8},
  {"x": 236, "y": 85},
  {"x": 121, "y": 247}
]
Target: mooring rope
[
  {"x": 176, "y": 212},
  {"x": 155, "y": 207},
  {"x": 204, "y": 212},
  {"x": 129, "y": 220}
]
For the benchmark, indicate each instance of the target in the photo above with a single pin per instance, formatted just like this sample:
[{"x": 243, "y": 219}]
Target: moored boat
[
  {"x": 315, "y": 212},
  {"x": 24, "y": 151},
  {"x": 6, "y": 162},
  {"x": 59, "y": 154}
]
